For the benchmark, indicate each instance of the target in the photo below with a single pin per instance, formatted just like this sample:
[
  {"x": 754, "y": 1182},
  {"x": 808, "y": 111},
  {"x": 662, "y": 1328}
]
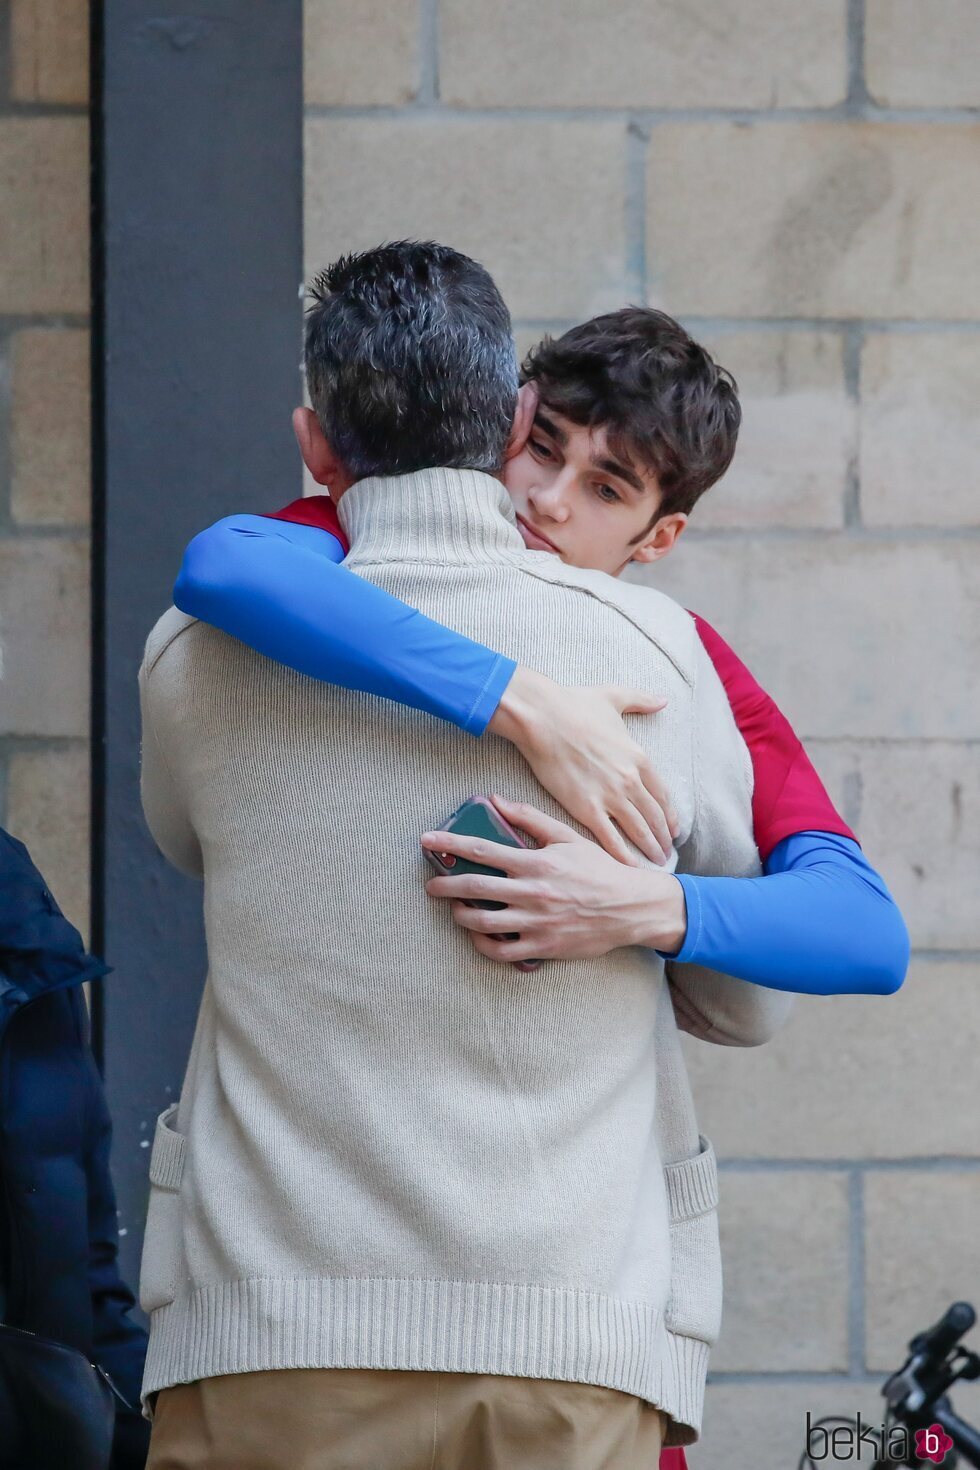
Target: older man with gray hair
[{"x": 412, "y": 1210}]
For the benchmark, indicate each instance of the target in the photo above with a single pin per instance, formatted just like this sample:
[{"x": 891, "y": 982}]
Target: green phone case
[{"x": 477, "y": 818}]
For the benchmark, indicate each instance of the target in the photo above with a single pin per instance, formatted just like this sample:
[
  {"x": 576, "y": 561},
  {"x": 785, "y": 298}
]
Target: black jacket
[{"x": 58, "y": 1234}]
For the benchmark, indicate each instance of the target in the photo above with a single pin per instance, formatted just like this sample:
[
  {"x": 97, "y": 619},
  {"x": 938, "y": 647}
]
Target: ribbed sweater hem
[{"x": 529, "y": 1331}]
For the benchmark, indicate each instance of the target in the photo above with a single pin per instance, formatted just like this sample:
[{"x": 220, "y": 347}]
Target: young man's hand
[
  {"x": 576, "y": 744},
  {"x": 567, "y": 899}
]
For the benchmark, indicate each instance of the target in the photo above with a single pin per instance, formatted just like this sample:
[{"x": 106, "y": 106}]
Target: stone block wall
[
  {"x": 45, "y": 477},
  {"x": 801, "y": 185}
]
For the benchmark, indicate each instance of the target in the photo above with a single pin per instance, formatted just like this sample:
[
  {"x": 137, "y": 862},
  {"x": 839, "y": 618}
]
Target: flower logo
[{"x": 932, "y": 1443}]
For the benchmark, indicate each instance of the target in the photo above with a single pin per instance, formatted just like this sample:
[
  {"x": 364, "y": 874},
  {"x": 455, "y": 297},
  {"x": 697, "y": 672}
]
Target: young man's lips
[{"x": 537, "y": 534}]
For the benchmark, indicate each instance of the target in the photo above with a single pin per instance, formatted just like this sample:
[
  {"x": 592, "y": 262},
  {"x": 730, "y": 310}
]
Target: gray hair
[{"x": 410, "y": 361}]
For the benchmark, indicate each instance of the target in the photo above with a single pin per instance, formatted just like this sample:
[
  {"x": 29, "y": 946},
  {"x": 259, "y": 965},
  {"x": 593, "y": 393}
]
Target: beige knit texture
[{"x": 389, "y": 1151}]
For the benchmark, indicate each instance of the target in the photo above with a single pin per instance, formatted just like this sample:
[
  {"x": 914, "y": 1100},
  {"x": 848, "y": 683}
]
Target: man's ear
[
  {"x": 318, "y": 454},
  {"x": 527, "y": 407},
  {"x": 661, "y": 538}
]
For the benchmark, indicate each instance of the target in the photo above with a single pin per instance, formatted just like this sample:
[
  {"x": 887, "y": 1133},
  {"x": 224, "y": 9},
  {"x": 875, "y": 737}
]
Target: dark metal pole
[{"x": 197, "y": 263}]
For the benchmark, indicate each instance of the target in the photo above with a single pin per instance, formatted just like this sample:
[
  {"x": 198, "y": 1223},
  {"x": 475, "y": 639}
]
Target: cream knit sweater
[{"x": 390, "y": 1152}]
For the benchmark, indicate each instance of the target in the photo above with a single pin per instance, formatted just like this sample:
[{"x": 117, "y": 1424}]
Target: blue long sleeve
[
  {"x": 278, "y": 587},
  {"x": 821, "y": 922}
]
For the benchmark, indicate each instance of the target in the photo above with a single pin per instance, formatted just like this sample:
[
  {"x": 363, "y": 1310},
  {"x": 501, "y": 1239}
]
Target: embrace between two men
[{"x": 415, "y": 1207}]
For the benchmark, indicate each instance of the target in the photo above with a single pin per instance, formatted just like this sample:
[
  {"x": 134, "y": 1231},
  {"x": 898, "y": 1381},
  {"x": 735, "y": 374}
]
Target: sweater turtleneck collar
[{"x": 429, "y": 515}]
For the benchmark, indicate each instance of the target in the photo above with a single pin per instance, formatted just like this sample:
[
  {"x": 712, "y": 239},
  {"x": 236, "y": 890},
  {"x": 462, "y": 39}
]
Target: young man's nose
[{"x": 551, "y": 500}]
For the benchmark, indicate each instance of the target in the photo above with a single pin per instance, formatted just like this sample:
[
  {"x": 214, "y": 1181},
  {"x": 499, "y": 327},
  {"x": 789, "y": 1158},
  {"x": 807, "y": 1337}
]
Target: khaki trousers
[{"x": 385, "y": 1419}]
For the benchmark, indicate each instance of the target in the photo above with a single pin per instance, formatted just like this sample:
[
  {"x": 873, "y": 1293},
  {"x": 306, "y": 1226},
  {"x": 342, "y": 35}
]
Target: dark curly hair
[{"x": 664, "y": 402}]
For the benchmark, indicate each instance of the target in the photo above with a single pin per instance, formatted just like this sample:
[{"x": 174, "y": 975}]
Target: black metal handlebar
[
  {"x": 916, "y": 1392},
  {"x": 938, "y": 1341}
]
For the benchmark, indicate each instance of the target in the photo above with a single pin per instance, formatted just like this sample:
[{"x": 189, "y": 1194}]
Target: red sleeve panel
[
  {"x": 313, "y": 510},
  {"x": 672, "y": 1459},
  {"x": 788, "y": 796}
]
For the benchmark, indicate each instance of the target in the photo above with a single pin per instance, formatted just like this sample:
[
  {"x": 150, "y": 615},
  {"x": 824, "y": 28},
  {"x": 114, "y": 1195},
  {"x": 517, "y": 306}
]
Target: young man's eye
[
  {"x": 539, "y": 447},
  {"x": 607, "y": 493}
]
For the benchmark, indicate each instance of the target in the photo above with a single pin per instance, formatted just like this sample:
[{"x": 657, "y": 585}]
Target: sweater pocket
[
  {"x": 694, "y": 1305},
  {"x": 161, "y": 1243}
]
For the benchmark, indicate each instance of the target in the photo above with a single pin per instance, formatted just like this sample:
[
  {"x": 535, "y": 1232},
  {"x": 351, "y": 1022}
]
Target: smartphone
[{"x": 478, "y": 817}]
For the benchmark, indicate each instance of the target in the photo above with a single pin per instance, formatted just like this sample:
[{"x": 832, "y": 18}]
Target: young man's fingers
[
  {"x": 489, "y": 921},
  {"x": 533, "y": 822},
  {"x": 477, "y": 850},
  {"x": 471, "y": 885},
  {"x": 661, "y": 795},
  {"x": 637, "y": 828},
  {"x": 653, "y": 817},
  {"x": 607, "y": 836},
  {"x": 637, "y": 701},
  {"x": 503, "y": 950}
]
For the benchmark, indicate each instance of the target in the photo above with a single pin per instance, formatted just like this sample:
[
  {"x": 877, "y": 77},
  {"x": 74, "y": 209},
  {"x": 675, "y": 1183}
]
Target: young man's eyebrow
[
  {"x": 607, "y": 466},
  {"x": 613, "y": 467},
  {"x": 542, "y": 421}
]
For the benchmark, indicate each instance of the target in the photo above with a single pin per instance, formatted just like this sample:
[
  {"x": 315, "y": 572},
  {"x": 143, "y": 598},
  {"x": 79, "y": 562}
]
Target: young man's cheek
[
  {"x": 518, "y": 474},
  {"x": 587, "y": 539},
  {"x": 594, "y": 546}
]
